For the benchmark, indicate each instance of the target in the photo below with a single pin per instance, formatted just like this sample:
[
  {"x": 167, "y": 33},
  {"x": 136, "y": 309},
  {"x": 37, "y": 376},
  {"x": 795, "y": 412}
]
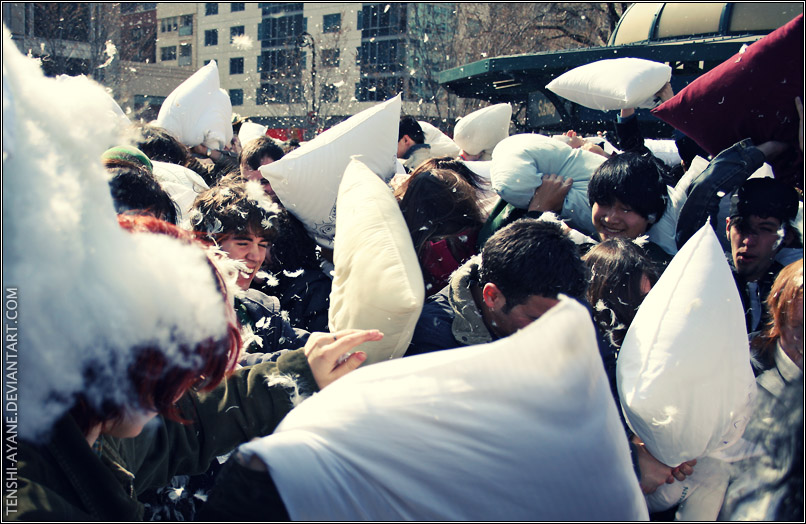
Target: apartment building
[{"x": 305, "y": 65}]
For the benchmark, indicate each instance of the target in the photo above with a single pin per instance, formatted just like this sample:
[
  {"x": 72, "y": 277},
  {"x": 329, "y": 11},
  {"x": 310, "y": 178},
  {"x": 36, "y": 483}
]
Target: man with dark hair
[
  {"x": 258, "y": 152},
  {"x": 760, "y": 218},
  {"x": 411, "y": 146},
  {"x": 516, "y": 279}
]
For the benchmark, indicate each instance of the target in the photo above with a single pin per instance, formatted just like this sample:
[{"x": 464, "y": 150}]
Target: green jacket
[{"x": 66, "y": 480}]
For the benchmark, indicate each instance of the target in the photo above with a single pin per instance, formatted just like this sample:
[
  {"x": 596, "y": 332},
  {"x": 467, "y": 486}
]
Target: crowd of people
[{"x": 489, "y": 270}]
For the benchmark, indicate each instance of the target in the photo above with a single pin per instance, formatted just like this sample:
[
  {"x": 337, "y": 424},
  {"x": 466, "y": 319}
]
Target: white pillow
[
  {"x": 306, "y": 180},
  {"x": 520, "y": 161},
  {"x": 513, "y": 430},
  {"x": 377, "y": 282},
  {"x": 182, "y": 185},
  {"x": 250, "y": 131},
  {"x": 684, "y": 375},
  {"x": 617, "y": 83},
  {"x": 441, "y": 144},
  {"x": 481, "y": 130},
  {"x": 107, "y": 102},
  {"x": 198, "y": 111}
]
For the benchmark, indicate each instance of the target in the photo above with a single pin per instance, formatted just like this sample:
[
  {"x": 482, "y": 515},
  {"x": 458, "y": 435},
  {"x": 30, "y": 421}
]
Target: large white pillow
[
  {"x": 513, "y": 430},
  {"x": 198, "y": 111},
  {"x": 306, "y": 180},
  {"x": 482, "y": 130},
  {"x": 684, "y": 375},
  {"x": 250, "y": 131},
  {"x": 377, "y": 283},
  {"x": 441, "y": 144},
  {"x": 520, "y": 161},
  {"x": 616, "y": 83},
  {"x": 182, "y": 185}
]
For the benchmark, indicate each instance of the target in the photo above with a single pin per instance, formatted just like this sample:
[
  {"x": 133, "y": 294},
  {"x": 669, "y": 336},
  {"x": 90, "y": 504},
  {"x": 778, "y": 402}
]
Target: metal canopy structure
[{"x": 522, "y": 79}]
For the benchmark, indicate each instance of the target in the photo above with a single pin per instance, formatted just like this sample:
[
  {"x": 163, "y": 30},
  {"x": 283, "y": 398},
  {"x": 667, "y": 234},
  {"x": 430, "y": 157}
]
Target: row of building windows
[{"x": 211, "y": 8}]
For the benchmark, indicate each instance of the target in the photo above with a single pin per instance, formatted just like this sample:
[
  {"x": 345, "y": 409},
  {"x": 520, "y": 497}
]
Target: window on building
[
  {"x": 278, "y": 64},
  {"x": 211, "y": 8},
  {"x": 330, "y": 58},
  {"x": 331, "y": 23},
  {"x": 236, "y": 97},
  {"x": 236, "y": 66},
  {"x": 378, "y": 89},
  {"x": 211, "y": 37},
  {"x": 235, "y": 31},
  {"x": 169, "y": 24},
  {"x": 330, "y": 94},
  {"x": 273, "y": 8},
  {"x": 186, "y": 25},
  {"x": 279, "y": 93},
  {"x": 382, "y": 20},
  {"x": 168, "y": 53},
  {"x": 282, "y": 30},
  {"x": 385, "y": 56},
  {"x": 185, "y": 54},
  {"x": 237, "y": 6},
  {"x": 68, "y": 21}
]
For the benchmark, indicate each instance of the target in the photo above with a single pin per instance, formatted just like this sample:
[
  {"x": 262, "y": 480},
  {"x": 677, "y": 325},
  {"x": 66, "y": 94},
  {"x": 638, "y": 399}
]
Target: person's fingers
[
  {"x": 567, "y": 182},
  {"x": 678, "y": 474},
  {"x": 352, "y": 362},
  {"x": 670, "y": 479}
]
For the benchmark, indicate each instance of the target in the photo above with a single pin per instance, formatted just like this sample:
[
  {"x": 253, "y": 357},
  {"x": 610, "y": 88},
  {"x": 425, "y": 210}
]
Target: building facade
[{"x": 307, "y": 65}]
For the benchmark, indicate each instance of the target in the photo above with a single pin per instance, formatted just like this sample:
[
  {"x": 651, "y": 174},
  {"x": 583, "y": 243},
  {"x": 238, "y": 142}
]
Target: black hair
[
  {"x": 135, "y": 191},
  {"x": 160, "y": 145},
  {"x": 293, "y": 248},
  {"x": 533, "y": 257},
  {"x": 228, "y": 208},
  {"x": 254, "y": 151},
  {"x": 634, "y": 179},
  {"x": 458, "y": 166},
  {"x": 410, "y": 126},
  {"x": 765, "y": 197},
  {"x": 617, "y": 267}
]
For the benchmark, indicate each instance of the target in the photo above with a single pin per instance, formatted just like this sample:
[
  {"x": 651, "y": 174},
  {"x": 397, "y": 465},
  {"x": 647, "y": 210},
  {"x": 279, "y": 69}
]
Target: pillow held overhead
[
  {"x": 690, "y": 331},
  {"x": 616, "y": 83},
  {"x": 482, "y": 130},
  {"x": 198, "y": 111},
  {"x": 377, "y": 282},
  {"x": 306, "y": 180},
  {"x": 750, "y": 95},
  {"x": 441, "y": 144}
]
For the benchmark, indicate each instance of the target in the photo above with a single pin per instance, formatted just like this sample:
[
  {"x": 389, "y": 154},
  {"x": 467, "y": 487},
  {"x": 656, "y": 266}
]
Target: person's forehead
[{"x": 756, "y": 220}]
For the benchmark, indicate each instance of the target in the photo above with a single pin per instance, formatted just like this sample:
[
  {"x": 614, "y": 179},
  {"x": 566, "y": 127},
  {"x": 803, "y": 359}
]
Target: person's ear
[
  {"x": 727, "y": 227},
  {"x": 493, "y": 297}
]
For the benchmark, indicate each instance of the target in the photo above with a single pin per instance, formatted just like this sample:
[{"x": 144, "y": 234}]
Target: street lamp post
[{"x": 305, "y": 39}]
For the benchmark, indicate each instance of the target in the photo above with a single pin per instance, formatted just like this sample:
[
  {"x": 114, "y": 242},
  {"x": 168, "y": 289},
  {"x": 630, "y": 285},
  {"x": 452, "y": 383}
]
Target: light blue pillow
[{"x": 520, "y": 161}]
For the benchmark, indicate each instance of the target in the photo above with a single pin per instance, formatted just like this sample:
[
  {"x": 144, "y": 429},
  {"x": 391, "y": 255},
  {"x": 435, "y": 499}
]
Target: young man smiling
[{"x": 240, "y": 219}]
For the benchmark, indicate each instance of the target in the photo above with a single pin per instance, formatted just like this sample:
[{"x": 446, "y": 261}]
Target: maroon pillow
[{"x": 751, "y": 95}]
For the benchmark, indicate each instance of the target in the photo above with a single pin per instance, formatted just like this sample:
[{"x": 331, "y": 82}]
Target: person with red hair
[{"x": 98, "y": 457}]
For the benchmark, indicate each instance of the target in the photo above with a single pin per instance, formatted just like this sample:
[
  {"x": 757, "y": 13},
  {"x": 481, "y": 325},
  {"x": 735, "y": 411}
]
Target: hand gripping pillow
[
  {"x": 750, "y": 95},
  {"x": 684, "y": 375},
  {"x": 441, "y": 144},
  {"x": 306, "y": 180},
  {"x": 520, "y": 161},
  {"x": 377, "y": 283},
  {"x": 482, "y": 130},
  {"x": 513, "y": 430},
  {"x": 617, "y": 83},
  {"x": 199, "y": 111}
]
